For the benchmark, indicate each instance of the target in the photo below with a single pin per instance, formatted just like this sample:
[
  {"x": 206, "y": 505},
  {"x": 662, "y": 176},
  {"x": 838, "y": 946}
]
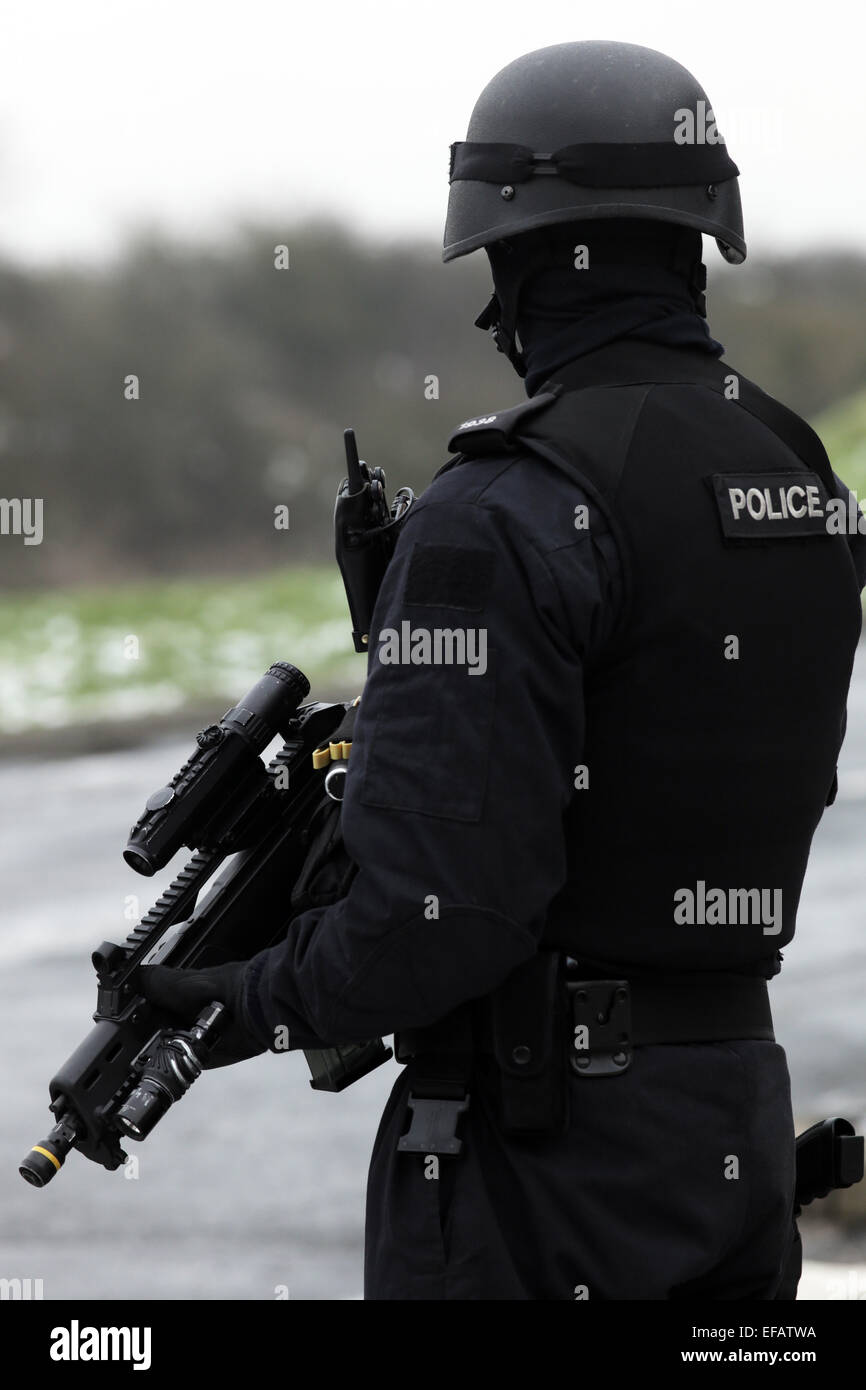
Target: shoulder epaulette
[{"x": 489, "y": 434}]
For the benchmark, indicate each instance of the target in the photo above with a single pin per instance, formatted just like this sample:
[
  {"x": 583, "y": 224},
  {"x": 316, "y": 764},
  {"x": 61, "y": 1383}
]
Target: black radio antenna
[{"x": 353, "y": 465}]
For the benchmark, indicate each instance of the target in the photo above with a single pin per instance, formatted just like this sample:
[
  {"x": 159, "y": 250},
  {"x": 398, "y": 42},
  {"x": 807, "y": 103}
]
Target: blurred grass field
[
  {"x": 65, "y": 655},
  {"x": 843, "y": 432}
]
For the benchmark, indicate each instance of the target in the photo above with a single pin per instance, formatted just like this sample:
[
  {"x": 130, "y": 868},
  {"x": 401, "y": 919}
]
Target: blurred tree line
[{"x": 248, "y": 374}]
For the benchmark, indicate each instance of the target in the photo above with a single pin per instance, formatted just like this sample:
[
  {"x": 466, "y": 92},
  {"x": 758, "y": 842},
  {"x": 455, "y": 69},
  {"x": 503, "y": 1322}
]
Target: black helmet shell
[{"x": 592, "y": 93}]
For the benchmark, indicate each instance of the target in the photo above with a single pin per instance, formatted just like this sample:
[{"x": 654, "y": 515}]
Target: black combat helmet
[{"x": 591, "y": 130}]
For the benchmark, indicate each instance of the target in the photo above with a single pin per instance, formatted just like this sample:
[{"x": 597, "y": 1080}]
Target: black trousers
[{"x": 675, "y": 1180}]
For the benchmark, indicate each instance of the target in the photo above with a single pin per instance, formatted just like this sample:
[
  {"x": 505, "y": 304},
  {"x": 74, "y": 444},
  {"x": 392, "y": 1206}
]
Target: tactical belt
[
  {"x": 678, "y": 1008},
  {"x": 547, "y": 1022}
]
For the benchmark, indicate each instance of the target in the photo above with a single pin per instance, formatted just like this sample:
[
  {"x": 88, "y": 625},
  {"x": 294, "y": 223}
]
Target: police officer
[{"x": 604, "y": 705}]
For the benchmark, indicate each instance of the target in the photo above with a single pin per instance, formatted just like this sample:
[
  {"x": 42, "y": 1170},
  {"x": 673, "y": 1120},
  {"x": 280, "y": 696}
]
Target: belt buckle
[{"x": 601, "y": 1018}]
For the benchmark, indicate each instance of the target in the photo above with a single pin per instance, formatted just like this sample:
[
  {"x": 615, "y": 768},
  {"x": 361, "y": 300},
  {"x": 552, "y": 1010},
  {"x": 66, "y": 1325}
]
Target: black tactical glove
[{"x": 184, "y": 993}]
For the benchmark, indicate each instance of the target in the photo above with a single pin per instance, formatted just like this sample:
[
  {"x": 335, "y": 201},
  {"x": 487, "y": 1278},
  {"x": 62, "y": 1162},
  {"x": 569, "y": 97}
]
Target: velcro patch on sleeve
[
  {"x": 771, "y": 506},
  {"x": 449, "y": 576}
]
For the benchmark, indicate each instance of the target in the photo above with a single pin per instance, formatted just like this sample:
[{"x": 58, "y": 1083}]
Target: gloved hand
[{"x": 184, "y": 993}]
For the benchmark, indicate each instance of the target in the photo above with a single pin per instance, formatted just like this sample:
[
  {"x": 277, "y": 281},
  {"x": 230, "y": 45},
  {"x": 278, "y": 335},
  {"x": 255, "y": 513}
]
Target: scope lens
[{"x": 139, "y": 862}]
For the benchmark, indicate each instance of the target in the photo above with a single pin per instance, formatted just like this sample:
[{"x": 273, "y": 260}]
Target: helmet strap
[{"x": 501, "y": 321}]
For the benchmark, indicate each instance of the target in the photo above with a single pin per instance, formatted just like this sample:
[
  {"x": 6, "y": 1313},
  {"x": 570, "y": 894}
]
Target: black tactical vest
[{"x": 715, "y": 715}]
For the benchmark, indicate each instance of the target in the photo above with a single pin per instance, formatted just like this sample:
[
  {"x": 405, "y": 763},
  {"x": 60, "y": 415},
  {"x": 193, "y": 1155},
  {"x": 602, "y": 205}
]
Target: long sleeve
[{"x": 460, "y": 773}]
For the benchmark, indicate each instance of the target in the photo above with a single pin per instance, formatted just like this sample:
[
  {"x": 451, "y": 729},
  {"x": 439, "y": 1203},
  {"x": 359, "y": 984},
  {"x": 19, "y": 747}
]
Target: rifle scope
[{"x": 225, "y": 762}]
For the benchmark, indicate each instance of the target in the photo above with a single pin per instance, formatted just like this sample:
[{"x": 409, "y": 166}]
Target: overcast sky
[{"x": 192, "y": 114}]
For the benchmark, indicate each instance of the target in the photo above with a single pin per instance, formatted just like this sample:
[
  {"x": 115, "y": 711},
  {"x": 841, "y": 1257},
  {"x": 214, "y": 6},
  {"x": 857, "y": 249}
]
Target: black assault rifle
[{"x": 224, "y": 802}]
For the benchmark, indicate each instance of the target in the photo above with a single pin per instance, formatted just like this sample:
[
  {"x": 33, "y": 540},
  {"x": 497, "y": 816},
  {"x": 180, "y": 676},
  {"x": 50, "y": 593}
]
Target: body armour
[{"x": 716, "y": 710}]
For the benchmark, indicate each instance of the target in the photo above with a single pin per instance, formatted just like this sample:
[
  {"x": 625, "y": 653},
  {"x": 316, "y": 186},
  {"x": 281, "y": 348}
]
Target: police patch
[{"x": 770, "y": 506}]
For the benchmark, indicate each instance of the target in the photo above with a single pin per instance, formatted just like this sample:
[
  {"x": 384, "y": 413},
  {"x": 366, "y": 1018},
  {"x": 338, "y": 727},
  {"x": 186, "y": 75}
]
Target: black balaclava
[{"x": 639, "y": 279}]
